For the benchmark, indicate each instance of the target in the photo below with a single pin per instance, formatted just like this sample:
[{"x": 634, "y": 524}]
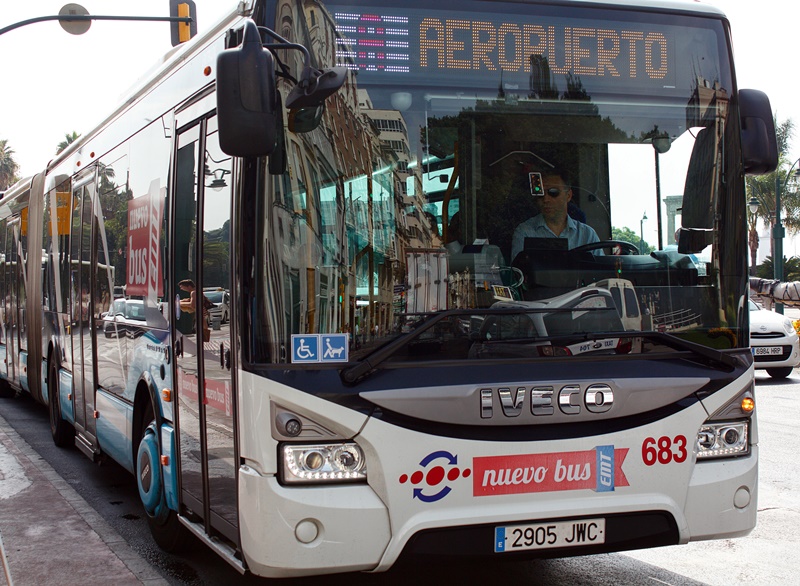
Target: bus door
[
  {"x": 81, "y": 309},
  {"x": 11, "y": 306},
  {"x": 201, "y": 233}
]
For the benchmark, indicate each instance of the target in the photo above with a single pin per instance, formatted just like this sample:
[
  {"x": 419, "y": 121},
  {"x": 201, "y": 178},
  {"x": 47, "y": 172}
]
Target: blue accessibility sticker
[
  {"x": 305, "y": 348},
  {"x": 334, "y": 347},
  {"x": 320, "y": 348}
]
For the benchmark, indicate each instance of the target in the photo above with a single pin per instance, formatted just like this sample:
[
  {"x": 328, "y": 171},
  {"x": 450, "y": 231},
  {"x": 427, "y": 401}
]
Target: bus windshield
[{"x": 537, "y": 168}]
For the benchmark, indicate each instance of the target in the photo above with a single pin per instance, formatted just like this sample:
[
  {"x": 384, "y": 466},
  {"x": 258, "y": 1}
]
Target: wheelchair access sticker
[{"x": 320, "y": 348}]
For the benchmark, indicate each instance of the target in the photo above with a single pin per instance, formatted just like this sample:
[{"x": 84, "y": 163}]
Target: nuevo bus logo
[
  {"x": 436, "y": 468},
  {"x": 599, "y": 469}
]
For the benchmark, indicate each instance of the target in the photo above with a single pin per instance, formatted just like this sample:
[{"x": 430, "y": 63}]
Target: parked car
[
  {"x": 221, "y": 300},
  {"x": 773, "y": 341},
  {"x": 126, "y": 317},
  {"x": 520, "y": 335}
]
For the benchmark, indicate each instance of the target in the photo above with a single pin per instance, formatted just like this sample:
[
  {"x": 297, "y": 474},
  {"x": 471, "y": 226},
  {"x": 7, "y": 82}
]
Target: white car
[
  {"x": 221, "y": 300},
  {"x": 126, "y": 318},
  {"x": 774, "y": 342}
]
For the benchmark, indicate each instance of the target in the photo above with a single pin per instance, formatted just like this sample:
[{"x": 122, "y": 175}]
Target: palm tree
[
  {"x": 8, "y": 166},
  {"x": 69, "y": 138},
  {"x": 791, "y": 267},
  {"x": 762, "y": 188}
]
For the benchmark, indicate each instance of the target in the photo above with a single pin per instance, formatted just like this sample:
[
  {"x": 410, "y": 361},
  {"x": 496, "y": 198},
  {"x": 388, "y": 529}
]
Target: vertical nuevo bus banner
[{"x": 144, "y": 236}]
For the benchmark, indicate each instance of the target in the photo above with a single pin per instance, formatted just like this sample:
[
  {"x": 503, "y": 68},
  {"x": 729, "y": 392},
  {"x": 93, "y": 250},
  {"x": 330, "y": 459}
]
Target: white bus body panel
[{"x": 358, "y": 523}]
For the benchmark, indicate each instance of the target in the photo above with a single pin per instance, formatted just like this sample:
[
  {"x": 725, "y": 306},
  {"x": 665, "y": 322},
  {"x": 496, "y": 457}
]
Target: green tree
[
  {"x": 791, "y": 267},
  {"x": 69, "y": 138},
  {"x": 762, "y": 188},
  {"x": 8, "y": 166},
  {"x": 628, "y": 235}
]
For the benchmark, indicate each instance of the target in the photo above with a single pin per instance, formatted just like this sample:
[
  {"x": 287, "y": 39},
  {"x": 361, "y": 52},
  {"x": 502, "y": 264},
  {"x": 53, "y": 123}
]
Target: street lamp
[
  {"x": 753, "y": 204},
  {"x": 752, "y": 237},
  {"x": 641, "y": 233}
]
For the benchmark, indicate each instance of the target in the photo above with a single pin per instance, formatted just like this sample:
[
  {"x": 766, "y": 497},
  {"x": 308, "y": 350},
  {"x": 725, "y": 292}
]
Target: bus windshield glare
[{"x": 525, "y": 163}]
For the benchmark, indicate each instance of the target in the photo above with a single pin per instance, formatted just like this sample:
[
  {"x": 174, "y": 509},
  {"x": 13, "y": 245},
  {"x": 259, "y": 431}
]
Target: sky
[{"x": 56, "y": 83}]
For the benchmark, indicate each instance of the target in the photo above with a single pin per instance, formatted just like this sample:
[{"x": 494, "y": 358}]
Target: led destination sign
[
  {"x": 611, "y": 54},
  {"x": 484, "y": 46}
]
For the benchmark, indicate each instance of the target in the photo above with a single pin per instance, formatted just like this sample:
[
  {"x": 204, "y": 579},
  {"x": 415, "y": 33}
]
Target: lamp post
[
  {"x": 641, "y": 233},
  {"x": 752, "y": 238},
  {"x": 778, "y": 232}
]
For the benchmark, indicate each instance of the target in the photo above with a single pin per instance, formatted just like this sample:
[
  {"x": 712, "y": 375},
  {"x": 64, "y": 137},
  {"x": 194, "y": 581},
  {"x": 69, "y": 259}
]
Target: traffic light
[
  {"x": 536, "y": 184},
  {"x": 183, "y": 31}
]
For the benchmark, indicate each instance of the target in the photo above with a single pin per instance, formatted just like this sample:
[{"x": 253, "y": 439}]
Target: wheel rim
[{"x": 148, "y": 473}]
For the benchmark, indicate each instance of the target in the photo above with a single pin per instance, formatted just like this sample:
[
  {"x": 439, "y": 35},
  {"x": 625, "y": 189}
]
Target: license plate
[
  {"x": 549, "y": 535},
  {"x": 768, "y": 350}
]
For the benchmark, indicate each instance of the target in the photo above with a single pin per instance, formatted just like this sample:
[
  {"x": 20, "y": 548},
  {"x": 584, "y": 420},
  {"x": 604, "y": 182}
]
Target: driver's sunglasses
[{"x": 555, "y": 191}]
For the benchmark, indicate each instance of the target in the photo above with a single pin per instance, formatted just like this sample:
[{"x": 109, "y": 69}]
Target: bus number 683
[{"x": 664, "y": 450}]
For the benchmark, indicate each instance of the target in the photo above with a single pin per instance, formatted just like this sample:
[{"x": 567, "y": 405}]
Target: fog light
[
  {"x": 742, "y": 498},
  {"x": 293, "y": 427},
  {"x": 306, "y": 531}
]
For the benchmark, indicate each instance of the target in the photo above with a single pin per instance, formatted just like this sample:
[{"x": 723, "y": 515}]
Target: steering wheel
[{"x": 626, "y": 247}]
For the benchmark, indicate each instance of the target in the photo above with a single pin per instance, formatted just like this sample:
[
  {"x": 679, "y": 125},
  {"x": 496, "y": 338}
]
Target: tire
[
  {"x": 62, "y": 431},
  {"x": 167, "y": 531},
  {"x": 6, "y": 392},
  {"x": 780, "y": 373}
]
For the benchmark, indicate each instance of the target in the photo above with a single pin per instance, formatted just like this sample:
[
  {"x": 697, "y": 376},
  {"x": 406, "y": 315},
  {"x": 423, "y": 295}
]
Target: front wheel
[
  {"x": 168, "y": 532},
  {"x": 6, "y": 392},
  {"x": 63, "y": 433},
  {"x": 780, "y": 373}
]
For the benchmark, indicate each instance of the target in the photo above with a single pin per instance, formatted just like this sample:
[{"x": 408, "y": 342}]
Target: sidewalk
[{"x": 50, "y": 535}]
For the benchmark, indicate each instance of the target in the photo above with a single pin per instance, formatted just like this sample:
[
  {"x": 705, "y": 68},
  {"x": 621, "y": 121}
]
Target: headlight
[
  {"x": 723, "y": 440},
  {"x": 788, "y": 326},
  {"x": 323, "y": 463}
]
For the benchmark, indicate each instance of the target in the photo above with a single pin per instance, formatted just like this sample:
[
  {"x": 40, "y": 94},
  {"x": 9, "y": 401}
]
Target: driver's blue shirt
[{"x": 576, "y": 233}]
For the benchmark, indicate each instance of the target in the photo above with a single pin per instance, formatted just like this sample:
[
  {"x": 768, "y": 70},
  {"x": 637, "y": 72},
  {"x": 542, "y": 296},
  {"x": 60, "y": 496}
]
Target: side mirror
[
  {"x": 759, "y": 143},
  {"x": 246, "y": 97},
  {"x": 306, "y": 101},
  {"x": 305, "y": 119},
  {"x": 315, "y": 87},
  {"x": 694, "y": 240}
]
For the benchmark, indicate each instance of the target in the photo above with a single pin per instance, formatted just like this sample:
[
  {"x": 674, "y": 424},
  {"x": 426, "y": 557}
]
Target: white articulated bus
[{"x": 406, "y": 370}]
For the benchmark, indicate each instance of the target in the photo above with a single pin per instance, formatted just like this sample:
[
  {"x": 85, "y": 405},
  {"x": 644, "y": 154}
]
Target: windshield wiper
[
  {"x": 352, "y": 373},
  {"x": 371, "y": 362},
  {"x": 680, "y": 344}
]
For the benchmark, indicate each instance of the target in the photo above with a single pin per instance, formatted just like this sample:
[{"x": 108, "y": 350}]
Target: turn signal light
[{"x": 748, "y": 404}]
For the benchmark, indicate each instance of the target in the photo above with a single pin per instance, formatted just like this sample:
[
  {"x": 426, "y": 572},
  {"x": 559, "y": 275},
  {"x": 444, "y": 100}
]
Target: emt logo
[{"x": 437, "y": 468}]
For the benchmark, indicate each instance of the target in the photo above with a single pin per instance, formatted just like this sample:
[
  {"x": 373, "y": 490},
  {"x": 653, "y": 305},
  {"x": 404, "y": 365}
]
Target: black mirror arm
[
  {"x": 309, "y": 78},
  {"x": 286, "y": 44}
]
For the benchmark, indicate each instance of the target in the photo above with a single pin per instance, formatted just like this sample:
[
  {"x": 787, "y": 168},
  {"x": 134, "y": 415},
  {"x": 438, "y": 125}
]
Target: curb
[{"x": 137, "y": 565}]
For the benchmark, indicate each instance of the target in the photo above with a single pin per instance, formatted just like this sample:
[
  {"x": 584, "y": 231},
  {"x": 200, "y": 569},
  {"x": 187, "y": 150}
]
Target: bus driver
[{"x": 553, "y": 221}]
